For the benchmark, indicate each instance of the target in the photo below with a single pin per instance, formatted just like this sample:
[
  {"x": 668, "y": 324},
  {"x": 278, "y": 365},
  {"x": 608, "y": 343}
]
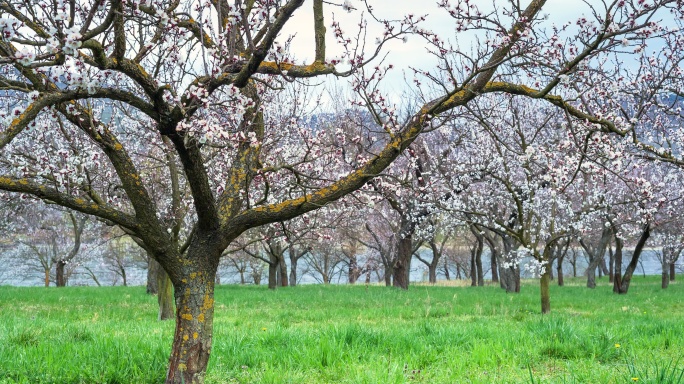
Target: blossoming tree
[{"x": 92, "y": 89}]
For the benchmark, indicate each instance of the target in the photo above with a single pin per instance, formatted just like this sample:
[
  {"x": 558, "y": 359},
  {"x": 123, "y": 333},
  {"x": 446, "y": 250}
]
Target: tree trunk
[
  {"x": 665, "y": 281},
  {"x": 152, "y": 270},
  {"x": 631, "y": 267},
  {"x": 293, "y": 268},
  {"x": 544, "y": 288},
  {"x": 480, "y": 271},
  {"x": 272, "y": 274},
  {"x": 353, "y": 272},
  {"x": 164, "y": 295},
  {"x": 256, "y": 277},
  {"x": 473, "y": 269},
  {"x": 402, "y": 263},
  {"x": 559, "y": 271},
  {"x": 574, "y": 268},
  {"x": 672, "y": 271},
  {"x": 282, "y": 271},
  {"x": 432, "y": 273},
  {"x": 617, "y": 278},
  {"x": 388, "y": 276},
  {"x": 446, "y": 270},
  {"x": 47, "y": 278},
  {"x": 495, "y": 272},
  {"x": 60, "y": 275},
  {"x": 611, "y": 265},
  {"x": 602, "y": 265},
  {"x": 591, "y": 273},
  {"x": 194, "y": 328}
]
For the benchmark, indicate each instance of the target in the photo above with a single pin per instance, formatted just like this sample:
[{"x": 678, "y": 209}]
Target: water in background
[{"x": 20, "y": 272}]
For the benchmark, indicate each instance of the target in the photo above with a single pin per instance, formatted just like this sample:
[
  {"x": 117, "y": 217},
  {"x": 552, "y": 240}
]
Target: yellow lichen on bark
[
  {"x": 186, "y": 316},
  {"x": 208, "y": 302}
]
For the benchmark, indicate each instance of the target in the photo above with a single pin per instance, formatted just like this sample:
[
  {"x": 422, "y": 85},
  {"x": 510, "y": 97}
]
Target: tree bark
[
  {"x": 631, "y": 267},
  {"x": 47, "y": 278},
  {"x": 665, "y": 281},
  {"x": 282, "y": 271},
  {"x": 164, "y": 295},
  {"x": 60, "y": 273},
  {"x": 402, "y": 263},
  {"x": 495, "y": 272},
  {"x": 388, "y": 275},
  {"x": 477, "y": 274},
  {"x": 603, "y": 268},
  {"x": 353, "y": 271},
  {"x": 272, "y": 272},
  {"x": 544, "y": 288},
  {"x": 473, "y": 268},
  {"x": 293, "y": 270},
  {"x": 194, "y": 328},
  {"x": 672, "y": 271},
  {"x": 152, "y": 269},
  {"x": 611, "y": 264},
  {"x": 617, "y": 278},
  {"x": 595, "y": 254}
]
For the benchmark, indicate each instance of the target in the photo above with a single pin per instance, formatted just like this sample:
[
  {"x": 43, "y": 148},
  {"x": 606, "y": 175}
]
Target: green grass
[{"x": 353, "y": 334}]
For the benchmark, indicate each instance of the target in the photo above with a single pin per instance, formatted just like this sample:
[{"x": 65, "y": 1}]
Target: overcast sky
[{"x": 413, "y": 52}]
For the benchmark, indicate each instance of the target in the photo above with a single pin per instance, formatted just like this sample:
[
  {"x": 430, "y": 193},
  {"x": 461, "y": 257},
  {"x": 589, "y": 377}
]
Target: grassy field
[{"x": 354, "y": 334}]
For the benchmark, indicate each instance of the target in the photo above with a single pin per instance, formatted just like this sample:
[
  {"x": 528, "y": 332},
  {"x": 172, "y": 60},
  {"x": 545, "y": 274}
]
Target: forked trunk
[{"x": 631, "y": 267}]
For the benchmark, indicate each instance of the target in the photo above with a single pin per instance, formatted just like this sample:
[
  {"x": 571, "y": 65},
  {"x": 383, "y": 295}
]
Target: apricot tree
[{"x": 95, "y": 90}]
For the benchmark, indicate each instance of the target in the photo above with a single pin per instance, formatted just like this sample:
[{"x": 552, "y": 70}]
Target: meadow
[{"x": 354, "y": 334}]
